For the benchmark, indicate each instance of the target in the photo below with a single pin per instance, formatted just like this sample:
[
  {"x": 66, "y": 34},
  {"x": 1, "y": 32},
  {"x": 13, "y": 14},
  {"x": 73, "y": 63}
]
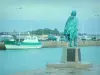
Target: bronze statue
[{"x": 71, "y": 29}]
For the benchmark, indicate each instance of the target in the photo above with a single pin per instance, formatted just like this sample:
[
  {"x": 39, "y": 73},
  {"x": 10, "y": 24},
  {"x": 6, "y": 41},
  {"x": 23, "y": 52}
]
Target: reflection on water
[{"x": 32, "y": 61}]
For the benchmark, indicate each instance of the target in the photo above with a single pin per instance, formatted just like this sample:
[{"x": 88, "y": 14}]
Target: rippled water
[{"x": 33, "y": 62}]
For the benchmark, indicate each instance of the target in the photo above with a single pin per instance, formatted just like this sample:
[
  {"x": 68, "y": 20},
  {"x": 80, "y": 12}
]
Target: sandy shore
[{"x": 62, "y": 43}]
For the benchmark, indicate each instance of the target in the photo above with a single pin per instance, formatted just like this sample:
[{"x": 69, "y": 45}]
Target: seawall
[{"x": 62, "y": 43}]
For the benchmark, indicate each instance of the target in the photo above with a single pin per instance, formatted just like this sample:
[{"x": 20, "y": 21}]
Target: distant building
[{"x": 42, "y": 37}]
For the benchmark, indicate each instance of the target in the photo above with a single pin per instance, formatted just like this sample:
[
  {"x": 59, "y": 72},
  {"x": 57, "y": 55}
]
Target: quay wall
[
  {"x": 47, "y": 44},
  {"x": 62, "y": 43}
]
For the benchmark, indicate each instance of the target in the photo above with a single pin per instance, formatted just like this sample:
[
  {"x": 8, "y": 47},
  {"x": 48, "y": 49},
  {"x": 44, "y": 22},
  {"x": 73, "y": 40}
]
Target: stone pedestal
[
  {"x": 71, "y": 58},
  {"x": 71, "y": 54}
]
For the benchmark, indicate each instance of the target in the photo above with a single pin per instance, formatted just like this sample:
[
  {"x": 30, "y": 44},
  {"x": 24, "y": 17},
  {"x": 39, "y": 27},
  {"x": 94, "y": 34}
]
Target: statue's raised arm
[{"x": 71, "y": 29}]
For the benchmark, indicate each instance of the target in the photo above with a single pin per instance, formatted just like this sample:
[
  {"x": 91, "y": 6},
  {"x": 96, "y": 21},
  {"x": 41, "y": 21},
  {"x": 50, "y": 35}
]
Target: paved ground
[{"x": 69, "y": 71}]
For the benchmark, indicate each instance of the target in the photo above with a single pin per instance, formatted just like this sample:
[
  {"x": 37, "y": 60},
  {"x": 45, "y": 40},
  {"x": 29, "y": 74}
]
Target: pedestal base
[
  {"x": 70, "y": 65},
  {"x": 71, "y": 54},
  {"x": 71, "y": 58}
]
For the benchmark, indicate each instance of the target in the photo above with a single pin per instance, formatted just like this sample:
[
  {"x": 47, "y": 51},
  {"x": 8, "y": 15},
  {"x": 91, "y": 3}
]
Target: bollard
[{"x": 2, "y": 46}]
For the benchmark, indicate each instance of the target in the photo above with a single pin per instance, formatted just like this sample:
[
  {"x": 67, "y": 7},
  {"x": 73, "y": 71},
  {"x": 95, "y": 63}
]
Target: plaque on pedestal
[{"x": 71, "y": 54}]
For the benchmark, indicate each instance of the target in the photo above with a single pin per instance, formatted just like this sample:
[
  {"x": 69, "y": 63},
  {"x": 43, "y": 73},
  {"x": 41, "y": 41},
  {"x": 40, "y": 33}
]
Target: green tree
[
  {"x": 46, "y": 31},
  {"x": 55, "y": 31},
  {"x": 39, "y": 32}
]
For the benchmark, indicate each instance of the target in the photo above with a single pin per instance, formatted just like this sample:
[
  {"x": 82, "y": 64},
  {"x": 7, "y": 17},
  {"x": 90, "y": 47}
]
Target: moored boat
[{"x": 27, "y": 42}]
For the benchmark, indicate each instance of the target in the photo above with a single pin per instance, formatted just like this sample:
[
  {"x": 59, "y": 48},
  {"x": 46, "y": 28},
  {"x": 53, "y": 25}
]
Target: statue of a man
[{"x": 71, "y": 29}]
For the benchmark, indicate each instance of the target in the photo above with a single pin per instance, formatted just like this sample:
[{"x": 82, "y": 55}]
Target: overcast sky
[{"x": 23, "y": 15}]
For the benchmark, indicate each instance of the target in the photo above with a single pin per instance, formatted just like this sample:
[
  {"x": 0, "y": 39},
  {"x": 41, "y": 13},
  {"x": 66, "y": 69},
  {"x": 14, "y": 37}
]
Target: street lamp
[{"x": 97, "y": 16}]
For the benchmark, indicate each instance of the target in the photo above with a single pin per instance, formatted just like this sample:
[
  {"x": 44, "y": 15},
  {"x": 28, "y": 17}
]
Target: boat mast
[{"x": 19, "y": 38}]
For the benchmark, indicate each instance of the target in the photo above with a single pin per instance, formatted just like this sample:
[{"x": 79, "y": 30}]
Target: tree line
[{"x": 45, "y": 31}]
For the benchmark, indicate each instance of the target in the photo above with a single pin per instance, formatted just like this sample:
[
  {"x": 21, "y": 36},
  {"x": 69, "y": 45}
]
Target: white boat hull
[{"x": 22, "y": 46}]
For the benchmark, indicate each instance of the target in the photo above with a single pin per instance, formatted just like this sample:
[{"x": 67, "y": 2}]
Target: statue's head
[{"x": 73, "y": 13}]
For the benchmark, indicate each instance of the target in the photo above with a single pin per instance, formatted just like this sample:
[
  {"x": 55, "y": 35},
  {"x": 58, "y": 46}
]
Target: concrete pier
[
  {"x": 71, "y": 58},
  {"x": 47, "y": 44}
]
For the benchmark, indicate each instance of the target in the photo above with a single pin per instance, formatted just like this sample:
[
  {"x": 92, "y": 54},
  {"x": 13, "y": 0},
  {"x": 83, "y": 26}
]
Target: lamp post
[{"x": 97, "y": 16}]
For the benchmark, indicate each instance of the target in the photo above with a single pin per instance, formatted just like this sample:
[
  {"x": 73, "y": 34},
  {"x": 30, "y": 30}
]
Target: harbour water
[{"x": 15, "y": 61}]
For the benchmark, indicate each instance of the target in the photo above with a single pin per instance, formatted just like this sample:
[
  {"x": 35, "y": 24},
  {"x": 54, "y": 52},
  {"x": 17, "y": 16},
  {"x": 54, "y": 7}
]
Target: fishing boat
[{"x": 26, "y": 42}]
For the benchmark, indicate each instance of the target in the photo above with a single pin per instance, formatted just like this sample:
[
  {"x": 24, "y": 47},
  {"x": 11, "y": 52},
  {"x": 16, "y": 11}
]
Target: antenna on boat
[
  {"x": 28, "y": 33},
  {"x": 19, "y": 38}
]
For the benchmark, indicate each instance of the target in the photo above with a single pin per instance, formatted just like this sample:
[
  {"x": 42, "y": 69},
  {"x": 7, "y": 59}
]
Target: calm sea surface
[{"x": 13, "y": 61}]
